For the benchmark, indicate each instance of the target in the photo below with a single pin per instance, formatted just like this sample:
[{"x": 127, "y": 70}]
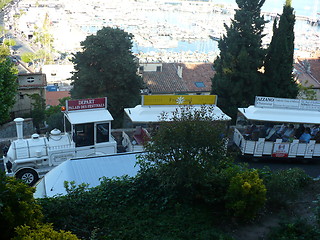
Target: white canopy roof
[
  {"x": 281, "y": 115},
  {"x": 86, "y": 170},
  {"x": 152, "y": 113},
  {"x": 87, "y": 116}
]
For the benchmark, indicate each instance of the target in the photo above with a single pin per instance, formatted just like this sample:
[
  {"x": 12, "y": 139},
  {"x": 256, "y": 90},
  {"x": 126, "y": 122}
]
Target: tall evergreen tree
[
  {"x": 8, "y": 85},
  {"x": 107, "y": 68},
  {"x": 279, "y": 59},
  {"x": 238, "y": 80}
]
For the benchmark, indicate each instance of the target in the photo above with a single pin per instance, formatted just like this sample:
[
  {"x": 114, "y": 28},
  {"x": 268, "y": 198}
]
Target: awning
[
  {"x": 88, "y": 116},
  {"x": 280, "y": 115},
  {"x": 151, "y": 114},
  {"x": 86, "y": 170}
]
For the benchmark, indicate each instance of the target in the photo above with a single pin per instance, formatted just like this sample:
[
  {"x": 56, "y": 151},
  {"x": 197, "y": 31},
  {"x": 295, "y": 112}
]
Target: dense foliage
[
  {"x": 283, "y": 185},
  {"x": 246, "y": 195},
  {"x": 107, "y": 68},
  {"x": 38, "y": 110},
  {"x": 181, "y": 155},
  {"x": 238, "y": 78},
  {"x": 129, "y": 208},
  {"x": 299, "y": 229},
  {"x": 17, "y": 206},
  {"x": 54, "y": 115},
  {"x": 8, "y": 87},
  {"x": 42, "y": 232},
  {"x": 279, "y": 60}
]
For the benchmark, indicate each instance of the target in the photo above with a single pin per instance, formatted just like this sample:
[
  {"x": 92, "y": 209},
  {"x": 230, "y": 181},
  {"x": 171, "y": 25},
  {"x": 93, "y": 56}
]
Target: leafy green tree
[
  {"x": 38, "y": 111},
  {"x": 17, "y": 206},
  {"x": 278, "y": 64},
  {"x": 238, "y": 78},
  {"x": 54, "y": 116},
  {"x": 9, "y": 42},
  {"x": 185, "y": 150},
  {"x": 246, "y": 195},
  {"x": 4, "y": 51},
  {"x": 8, "y": 87},
  {"x": 43, "y": 232},
  {"x": 28, "y": 57},
  {"x": 38, "y": 58},
  {"x": 107, "y": 68}
]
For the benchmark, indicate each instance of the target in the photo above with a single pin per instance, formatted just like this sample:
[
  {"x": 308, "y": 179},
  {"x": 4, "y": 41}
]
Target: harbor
[{"x": 165, "y": 31}]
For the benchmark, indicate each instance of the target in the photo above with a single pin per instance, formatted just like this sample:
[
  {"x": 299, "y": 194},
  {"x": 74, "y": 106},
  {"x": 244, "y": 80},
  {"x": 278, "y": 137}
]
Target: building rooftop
[
  {"x": 308, "y": 71},
  {"x": 52, "y": 98},
  {"x": 180, "y": 78}
]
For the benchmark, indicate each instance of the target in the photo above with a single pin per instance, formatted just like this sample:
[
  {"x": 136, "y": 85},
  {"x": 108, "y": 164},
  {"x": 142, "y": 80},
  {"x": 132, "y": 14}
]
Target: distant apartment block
[{"x": 29, "y": 83}]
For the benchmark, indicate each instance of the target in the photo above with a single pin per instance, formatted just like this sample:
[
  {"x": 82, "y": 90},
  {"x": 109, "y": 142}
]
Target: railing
[{"x": 266, "y": 148}]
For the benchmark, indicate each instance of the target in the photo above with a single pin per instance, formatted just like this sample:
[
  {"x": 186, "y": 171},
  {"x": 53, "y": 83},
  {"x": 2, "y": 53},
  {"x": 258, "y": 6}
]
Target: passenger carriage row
[
  {"x": 87, "y": 131},
  {"x": 288, "y": 115}
]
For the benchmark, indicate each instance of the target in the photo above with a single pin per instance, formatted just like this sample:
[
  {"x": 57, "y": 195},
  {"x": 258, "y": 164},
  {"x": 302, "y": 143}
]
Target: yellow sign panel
[{"x": 179, "y": 99}]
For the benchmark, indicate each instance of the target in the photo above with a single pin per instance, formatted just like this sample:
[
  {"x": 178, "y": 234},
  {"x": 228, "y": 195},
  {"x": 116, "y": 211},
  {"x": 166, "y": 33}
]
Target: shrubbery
[
  {"x": 246, "y": 195},
  {"x": 17, "y": 206},
  {"x": 42, "y": 232},
  {"x": 298, "y": 229},
  {"x": 283, "y": 185}
]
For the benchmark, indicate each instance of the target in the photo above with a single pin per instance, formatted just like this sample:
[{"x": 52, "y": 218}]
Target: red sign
[
  {"x": 83, "y": 104},
  {"x": 280, "y": 150}
]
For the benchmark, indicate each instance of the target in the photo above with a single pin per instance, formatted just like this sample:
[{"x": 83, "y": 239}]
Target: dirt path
[{"x": 304, "y": 207}]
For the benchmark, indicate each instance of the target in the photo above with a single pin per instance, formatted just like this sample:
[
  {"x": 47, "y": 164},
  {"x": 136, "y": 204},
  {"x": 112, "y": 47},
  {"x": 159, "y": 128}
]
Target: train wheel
[{"x": 29, "y": 176}]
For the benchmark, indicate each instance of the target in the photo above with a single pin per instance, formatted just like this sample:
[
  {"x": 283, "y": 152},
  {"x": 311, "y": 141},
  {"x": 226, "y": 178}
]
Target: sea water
[{"x": 301, "y": 8}]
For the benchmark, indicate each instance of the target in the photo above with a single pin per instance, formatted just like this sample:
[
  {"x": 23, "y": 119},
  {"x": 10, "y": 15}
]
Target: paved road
[{"x": 312, "y": 168}]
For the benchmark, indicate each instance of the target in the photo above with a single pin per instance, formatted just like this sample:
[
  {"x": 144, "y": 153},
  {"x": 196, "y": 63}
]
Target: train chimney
[{"x": 19, "y": 127}]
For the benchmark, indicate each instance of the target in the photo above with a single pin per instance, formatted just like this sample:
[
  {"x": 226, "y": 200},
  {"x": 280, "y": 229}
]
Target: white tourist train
[
  {"x": 260, "y": 129},
  {"x": 87, "y": 133}
]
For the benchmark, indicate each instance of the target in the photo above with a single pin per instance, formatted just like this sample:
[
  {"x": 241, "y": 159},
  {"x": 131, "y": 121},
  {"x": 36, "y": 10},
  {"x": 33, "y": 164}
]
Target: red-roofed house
[
  {"x": 52, "y": 98},
  {"x": 177, "y": 78},
  {"x": 307, "y": 72}
]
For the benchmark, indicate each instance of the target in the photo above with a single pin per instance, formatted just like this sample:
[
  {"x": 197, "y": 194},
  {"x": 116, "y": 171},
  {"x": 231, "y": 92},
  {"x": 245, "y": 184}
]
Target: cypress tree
[
  {"x": 238, "y": 78},
  {"x": 279, "y": 79}
]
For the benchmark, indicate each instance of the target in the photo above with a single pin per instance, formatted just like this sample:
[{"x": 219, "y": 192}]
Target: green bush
[
  {"x": 42, "y": 232},
  {"x": 283, "y": 185},
  {"x": 299, "y": 229},
  {"x": 181, "y": 157},
  {"x": 129, "y": 208},
  {"x": 17, "y": 206},
  {"x": 246, "y": 195}
]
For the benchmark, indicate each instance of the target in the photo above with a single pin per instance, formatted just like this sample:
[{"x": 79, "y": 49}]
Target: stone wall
[{"x": 8, "y": 132}]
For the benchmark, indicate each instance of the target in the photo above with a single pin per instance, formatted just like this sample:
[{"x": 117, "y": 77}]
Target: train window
[
  {"x": 102, "y": 132},
  {"x": 84, "y": 135}
]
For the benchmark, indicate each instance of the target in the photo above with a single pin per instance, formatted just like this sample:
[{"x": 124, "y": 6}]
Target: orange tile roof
[
  {"x": 168, "y": 82},
  {"x": 52, "y": 98},
  {"x": 305, "y": 77}
]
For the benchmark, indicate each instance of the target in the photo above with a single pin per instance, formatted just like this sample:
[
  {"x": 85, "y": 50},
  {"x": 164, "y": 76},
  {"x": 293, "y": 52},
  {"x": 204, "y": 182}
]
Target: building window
[
  {"x": 30, "y": 79},
  {"x": 199, "y": 84},
  {"x": 158, "y": 68}
]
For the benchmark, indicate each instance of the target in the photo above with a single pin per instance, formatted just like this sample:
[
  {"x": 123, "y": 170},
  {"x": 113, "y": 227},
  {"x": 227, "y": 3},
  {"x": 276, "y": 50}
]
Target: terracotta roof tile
[
  {"x": 52, "y": 98},
  {"x": 168, "y": 81},
  {"x": 311, "y": 76}
]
